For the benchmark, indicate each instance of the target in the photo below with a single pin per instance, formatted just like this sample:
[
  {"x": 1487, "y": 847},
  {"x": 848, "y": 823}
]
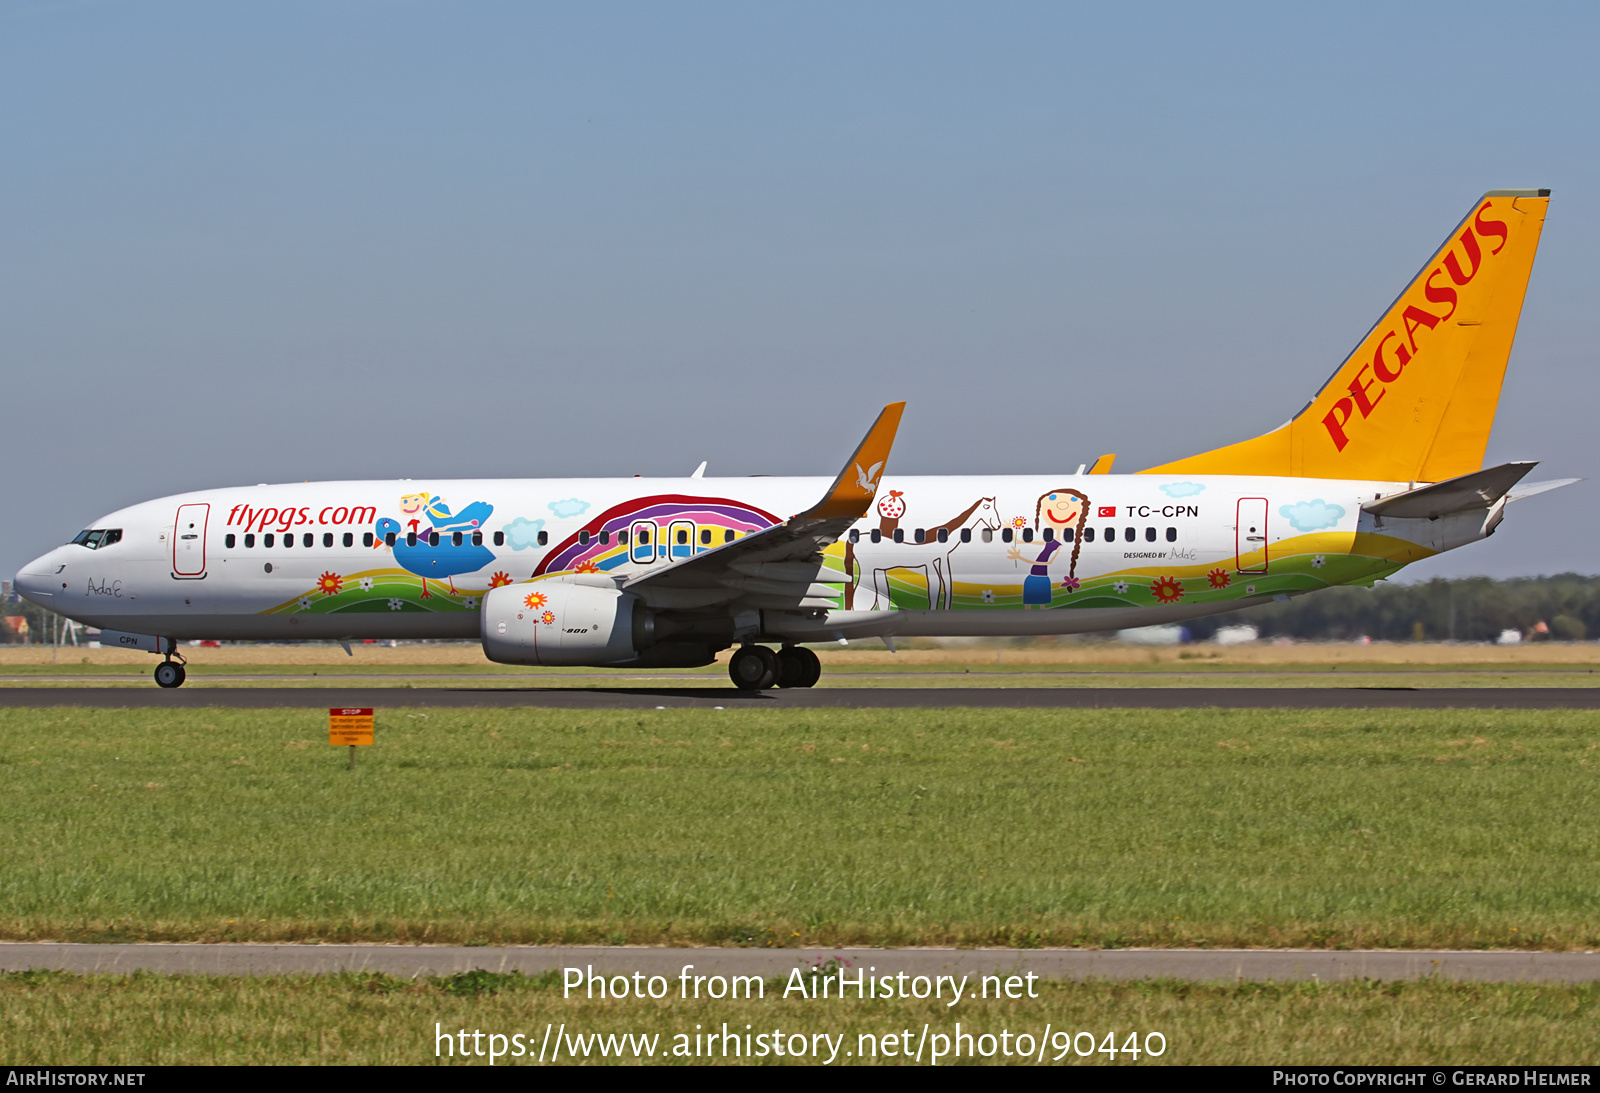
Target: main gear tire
[
  {"x": 753, "y": 668},
  {"x": 169, "y": 674}
]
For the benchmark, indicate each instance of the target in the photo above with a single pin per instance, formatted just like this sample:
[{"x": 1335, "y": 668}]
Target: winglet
[
  {"x": 1103, "y": 464},
  {"x": 852, "y": 492}
]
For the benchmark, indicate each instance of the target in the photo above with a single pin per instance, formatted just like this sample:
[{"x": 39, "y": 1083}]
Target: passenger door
[{"x": 189, "y": 542}]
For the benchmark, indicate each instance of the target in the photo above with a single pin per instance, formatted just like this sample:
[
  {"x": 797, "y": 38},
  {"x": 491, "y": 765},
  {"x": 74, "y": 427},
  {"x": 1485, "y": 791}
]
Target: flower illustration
[
  {"x": 1071, "y": 584},
  {"x": 1120, "y": 587},
  {"x": 1166, "y": 589},
  {"x": 586, "y": 566},
  {"x": 366, "y": 584},
  {"x": 330, "y": 584},
  {"x": 1219, "y": 578},
  {"x": 499, "y": 579},
  {"x": 988, "y": 595},
  {"x": 535, "y": 600},
  {"x": 1319, "y": 561},
  {"x": 305, "y": 603},
  {"x": 1249, "y": 590},
  {"x": 1019, "y": 521},
  {"x": 395, "y": 605},
  {"x": 470, "y": 602},
  {"x": 548, "y": 618}
]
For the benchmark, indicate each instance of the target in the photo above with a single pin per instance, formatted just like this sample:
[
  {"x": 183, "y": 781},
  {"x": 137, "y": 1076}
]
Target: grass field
[
  {"x": 1092, "y": 828},
  {"x": 151, "y": 1020}
]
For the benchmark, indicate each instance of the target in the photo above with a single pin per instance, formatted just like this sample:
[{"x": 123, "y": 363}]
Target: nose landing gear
[
  {"x": 755, "y": 667},
  {"x": 170, "y": 673}
]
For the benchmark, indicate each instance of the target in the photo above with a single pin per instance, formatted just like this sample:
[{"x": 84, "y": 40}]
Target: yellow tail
[{"x": 1416, "y": 399}]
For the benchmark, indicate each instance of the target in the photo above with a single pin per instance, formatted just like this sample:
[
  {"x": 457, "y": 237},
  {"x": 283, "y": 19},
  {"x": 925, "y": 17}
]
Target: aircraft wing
[{"x": 778, "y": 567}]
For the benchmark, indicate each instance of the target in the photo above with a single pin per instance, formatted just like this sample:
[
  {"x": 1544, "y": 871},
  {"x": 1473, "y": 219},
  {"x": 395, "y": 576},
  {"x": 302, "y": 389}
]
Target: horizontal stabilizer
[
  {"x": 1534, "y": 488},
  {"x": 1478, "y": 490}
]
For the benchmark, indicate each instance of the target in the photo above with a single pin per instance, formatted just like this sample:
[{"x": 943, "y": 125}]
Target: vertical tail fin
[{"x": 1416, "y": 400}]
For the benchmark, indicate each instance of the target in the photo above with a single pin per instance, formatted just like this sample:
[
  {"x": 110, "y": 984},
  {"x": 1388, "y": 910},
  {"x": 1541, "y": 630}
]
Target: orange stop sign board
[{"x": 350, "y": 725}]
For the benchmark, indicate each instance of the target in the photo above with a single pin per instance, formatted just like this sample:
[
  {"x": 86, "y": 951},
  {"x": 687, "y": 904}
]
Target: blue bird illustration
[{"x": 442, "y": 562}]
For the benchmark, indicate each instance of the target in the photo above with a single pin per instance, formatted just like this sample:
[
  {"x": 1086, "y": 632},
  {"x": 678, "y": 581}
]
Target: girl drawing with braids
[{"x": 1062, "y": 511}]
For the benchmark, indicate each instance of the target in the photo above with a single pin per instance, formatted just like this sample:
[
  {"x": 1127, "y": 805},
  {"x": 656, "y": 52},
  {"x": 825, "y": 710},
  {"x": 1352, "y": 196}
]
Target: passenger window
[
  {"x": 227, "y": 541},
  {"x": 544, "y": 538},
  {"x": 944, "y": 535},
  {"x": 583, "y": 538},
  {"x": 1006, "y": 536},
  {"x": 988, "y": 535},
  {"x": 683, "y": 536},
  {"x": 966, "y": 535},
  {"x": 433, "y": 538},
  {"x": 1130, "y": 534},
  {"x": 477, "y": 538},
  {"x": 1048, "y": 534},
  {"x": 411, "y": 538},
  {"x": 268, "y": 539},
  {"x": 1088, "y": 535},
  {"x": 1066, "y": 535},
  {"x": 349, "y": 539},
  {"x": 1149, "y": 535},
  {"x": 622, "y": 537},
  {"x": 705, "y": 537},
  {"x": 727, "y": 536},
  {"x": 877, "y": 535},
  {"x": 388, "y": 540},
  {"x": 605, "y": 538},
  {"x": 499, "y": 538},
  {"x": 921, "y": 536},
  {"x": 855, "y": 535},
  {"x": 327, "y": 539},
  {"x": 288, "y": 540},
  {"x": 644, "y": 536},
  {"x": 1027, "y": 535},
  {"x": 249, "y": 540},
  {"x": 455, "y": 538},
  {"x": 366, "y": 539},
  {"x": 899, "y": 535},
  {"x": 308, "y": 540},
  {"x": 1172, "y": 535}
]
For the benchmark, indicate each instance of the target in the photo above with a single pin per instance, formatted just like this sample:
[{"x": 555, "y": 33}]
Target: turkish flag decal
[{"x": 1107, "y": 511}]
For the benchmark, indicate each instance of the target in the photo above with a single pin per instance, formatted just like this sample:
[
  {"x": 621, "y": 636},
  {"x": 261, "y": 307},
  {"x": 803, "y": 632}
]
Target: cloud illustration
[
  {"x": 1312, "y": 515},
  {"x": 523, "y": 533},
  {"x": 1182, "y": 489},
  {"x": 570, "y": 507}
]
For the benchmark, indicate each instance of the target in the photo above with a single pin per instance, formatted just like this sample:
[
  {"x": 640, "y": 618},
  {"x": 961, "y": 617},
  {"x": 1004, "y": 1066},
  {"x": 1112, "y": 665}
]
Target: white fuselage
[{"x": 315, "y": 560}]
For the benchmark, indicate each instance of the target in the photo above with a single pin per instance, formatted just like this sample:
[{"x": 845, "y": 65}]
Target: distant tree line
[{"x": 1468, "y": 609}]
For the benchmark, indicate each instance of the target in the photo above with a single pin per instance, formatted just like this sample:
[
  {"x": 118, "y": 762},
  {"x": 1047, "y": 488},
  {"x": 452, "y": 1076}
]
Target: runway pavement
[
  {"x": 856, "y": 698},
  {"x": 1253, "y": 965}
]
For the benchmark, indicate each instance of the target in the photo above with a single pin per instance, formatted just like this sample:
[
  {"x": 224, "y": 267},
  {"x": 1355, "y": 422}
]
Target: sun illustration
[
  {"x": 548, "y": 617},
  {"x": 585, "y": 567},
  {"x": 329, "y": 584},
  {"x": 1219, "y": 578},
  {"x": 499, "y": 579},
  {"x": 1166, "y": 589},
  {"x": 535, "y": 600}
]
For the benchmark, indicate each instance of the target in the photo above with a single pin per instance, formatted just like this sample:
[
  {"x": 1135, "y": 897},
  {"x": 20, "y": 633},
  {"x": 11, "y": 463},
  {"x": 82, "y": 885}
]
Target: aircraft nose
[{"x": 40, "y": 579}]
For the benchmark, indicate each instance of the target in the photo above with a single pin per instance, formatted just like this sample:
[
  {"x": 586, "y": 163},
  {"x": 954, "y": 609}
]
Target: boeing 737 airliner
[{"x": 1383, "y": 466}]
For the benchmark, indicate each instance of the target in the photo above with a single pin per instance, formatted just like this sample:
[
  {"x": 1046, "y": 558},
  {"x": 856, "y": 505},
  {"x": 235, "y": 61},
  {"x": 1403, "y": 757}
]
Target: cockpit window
[{"x": 96, "y": 538}]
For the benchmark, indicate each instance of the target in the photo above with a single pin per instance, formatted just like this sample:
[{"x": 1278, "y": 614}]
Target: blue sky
[{"x": 269, "y": 242}]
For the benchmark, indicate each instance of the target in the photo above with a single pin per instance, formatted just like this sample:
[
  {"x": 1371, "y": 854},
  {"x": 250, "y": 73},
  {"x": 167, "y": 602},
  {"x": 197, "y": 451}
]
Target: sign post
[{"x": 350, "y": 725}]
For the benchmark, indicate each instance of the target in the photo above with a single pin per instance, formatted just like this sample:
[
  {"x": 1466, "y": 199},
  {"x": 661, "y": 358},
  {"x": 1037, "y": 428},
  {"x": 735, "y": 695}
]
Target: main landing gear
[
  {"x": 755, "y": 667},
  {"x": 170, "y": 673}
]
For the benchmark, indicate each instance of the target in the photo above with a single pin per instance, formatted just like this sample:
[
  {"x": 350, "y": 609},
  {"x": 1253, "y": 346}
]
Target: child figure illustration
[{"x": 1062, "y": 511}]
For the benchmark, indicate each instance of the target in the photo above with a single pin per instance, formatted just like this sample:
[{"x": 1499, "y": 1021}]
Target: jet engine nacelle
[{"x": 557, "y": 622}]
